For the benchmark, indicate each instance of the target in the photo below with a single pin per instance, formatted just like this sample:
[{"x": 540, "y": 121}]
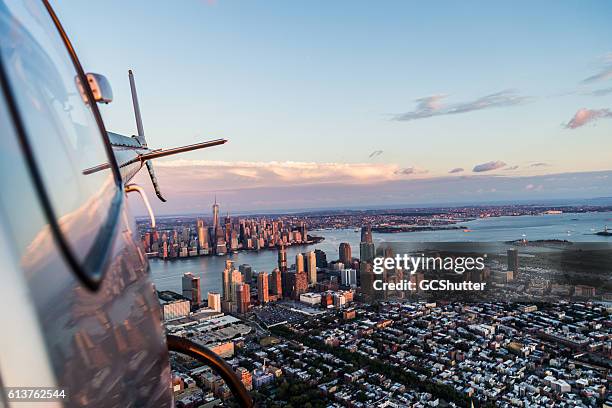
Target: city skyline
[{"x": 368, "y": 112}]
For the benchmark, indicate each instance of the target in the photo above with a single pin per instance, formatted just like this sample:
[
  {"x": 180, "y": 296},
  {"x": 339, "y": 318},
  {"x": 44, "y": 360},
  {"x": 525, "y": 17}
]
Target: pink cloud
[
  {"x": 434, "y": 105},
  {"x": 257, "y": 174},
  {"x": 191, "y": 188},
  {"x": 584, "y": 116}
]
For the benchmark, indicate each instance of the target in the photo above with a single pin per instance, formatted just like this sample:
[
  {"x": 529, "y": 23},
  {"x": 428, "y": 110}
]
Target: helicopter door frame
[{"x": 91, "y": 271}]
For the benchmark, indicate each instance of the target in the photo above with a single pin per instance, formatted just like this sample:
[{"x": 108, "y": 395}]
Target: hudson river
[{"x": 571, "y": 227}]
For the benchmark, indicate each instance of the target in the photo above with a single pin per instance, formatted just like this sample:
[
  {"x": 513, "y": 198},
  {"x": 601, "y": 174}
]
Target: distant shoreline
[
  {"x": 594, "y": 204},
  {"x": 394, "y": 230},
  {"x": 313, "y": 241}
]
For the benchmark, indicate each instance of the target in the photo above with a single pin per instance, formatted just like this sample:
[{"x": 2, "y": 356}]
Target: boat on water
[{"x": 606, "y": 232}]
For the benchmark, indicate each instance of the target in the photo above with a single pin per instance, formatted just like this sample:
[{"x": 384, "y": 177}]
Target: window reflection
[{"x": 58, "y": 120}]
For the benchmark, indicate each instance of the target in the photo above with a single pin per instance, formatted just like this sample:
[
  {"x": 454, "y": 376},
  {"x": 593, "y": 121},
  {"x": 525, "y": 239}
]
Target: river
[{"x": 572, "y": 227}]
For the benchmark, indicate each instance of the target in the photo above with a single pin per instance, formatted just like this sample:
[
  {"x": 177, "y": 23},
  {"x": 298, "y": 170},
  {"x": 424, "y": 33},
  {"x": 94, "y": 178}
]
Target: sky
[{"x": 349, "y": 103}]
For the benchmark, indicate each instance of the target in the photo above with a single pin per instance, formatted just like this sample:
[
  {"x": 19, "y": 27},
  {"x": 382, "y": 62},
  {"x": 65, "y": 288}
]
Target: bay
[{"x": 579, "y": 227}]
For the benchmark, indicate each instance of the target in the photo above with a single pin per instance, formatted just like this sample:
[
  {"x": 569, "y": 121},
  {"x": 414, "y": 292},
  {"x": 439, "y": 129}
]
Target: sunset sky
[{"x": 354, "y": 103}]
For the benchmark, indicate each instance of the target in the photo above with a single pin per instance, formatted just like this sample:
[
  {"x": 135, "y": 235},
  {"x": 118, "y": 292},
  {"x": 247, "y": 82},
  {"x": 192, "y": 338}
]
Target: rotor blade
[
  {"x": 139, "y": 126},
  {"x": 154, "y": 154}
]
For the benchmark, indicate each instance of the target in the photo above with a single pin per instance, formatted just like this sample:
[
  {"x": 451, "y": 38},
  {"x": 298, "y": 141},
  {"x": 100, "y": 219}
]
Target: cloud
[
  {"x": 433, "y": 105},
  {"x": 456, "y": 170},
  {"x": 375, "y": 153},
  {"x": 604, "y": 73},
  {"x": 410, "y": 170},
  {"x": 488, "y": 166},
  {"x": 191, "y": 186},
  {"x": 510, "y": 168},
  {"x": 253, "y": 174},
  {"x": 539, "y": 164},
  {"x": 533, "y": 187},
  {"x": 601, "y": 92},
  {"x": 584, "y": 116}
]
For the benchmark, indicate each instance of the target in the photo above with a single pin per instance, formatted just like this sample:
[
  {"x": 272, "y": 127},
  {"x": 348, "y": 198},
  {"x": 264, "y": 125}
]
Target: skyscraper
[
  {"x": 243, "y": 291},
  {"x": 345, "y": 253},
  {"x": 191, "y": 288},
  {"x": 299, "y": 263},
  {"x": 301, "y": 284},
  {"x": 311, "y": 267},
  {"x": 321, "y": 258},
  {"x": 275, "y": 283},
  {"x": 513, "y": 261},
  {"x": 303, "y": 231},
  {"x": 214, "y": 301},
  {"x": 227, "y": 280},
  {"x": 215, "y": 211},
  {"x": 282, "y": 258},
  {"x": 202, "y": 236},
  {"x": 366, "y": 278},
  {"x": 219, "y": 243},
  {"x": 247, "y": 271},
  {"x": 262, "y": 287},
  {"x": 228, "y": 228},
  {"x": 367, "y": 251},
  {"x": 235, "y": 280},
  {"x": 366, "y": 234}
]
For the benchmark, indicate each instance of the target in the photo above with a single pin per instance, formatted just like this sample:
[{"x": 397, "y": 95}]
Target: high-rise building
[
  {"x": 321, "y": 258},
  {"x": 215, "y": 213},
  {"x": 366, "y": 234},
  {"x": 227, "y": 280},
  {"x": 247, "y": 271},
  {"x": 263, "y": 293},
  {"x": 235, "y": 279},
  {"x": 288, "y": 281},
  {"x": 243, "y": 291},
  {"x": 202, "y": 235},
  {"x": 299, "y": 263},
  {"x": 164, "y": 251},
  {"x": 513, "y": 261},
  {"x": 191, "y": 288},
  {"x": 345, "y": 253},
  {"x": 282, "y": 258},
  {"x": 173, "y": 305},
  {"x": 310, "y": 260},
  {"x": 303, "y": 231},
  {"x": 366, "y": 277},
  {"x": 228, "y": 228},
  {"x": 219, "y": 242},
  {"x": 276, "y": 284},
  {"x": 348, "y": 277},
  {"x": 214, "y": 301},
  {"x": 367, "y": 251},
  {"x": 301, "y": 284}
]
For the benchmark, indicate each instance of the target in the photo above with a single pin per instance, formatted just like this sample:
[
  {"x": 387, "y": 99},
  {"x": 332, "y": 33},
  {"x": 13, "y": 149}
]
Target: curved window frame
[{"x": 91, "y": 271}]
